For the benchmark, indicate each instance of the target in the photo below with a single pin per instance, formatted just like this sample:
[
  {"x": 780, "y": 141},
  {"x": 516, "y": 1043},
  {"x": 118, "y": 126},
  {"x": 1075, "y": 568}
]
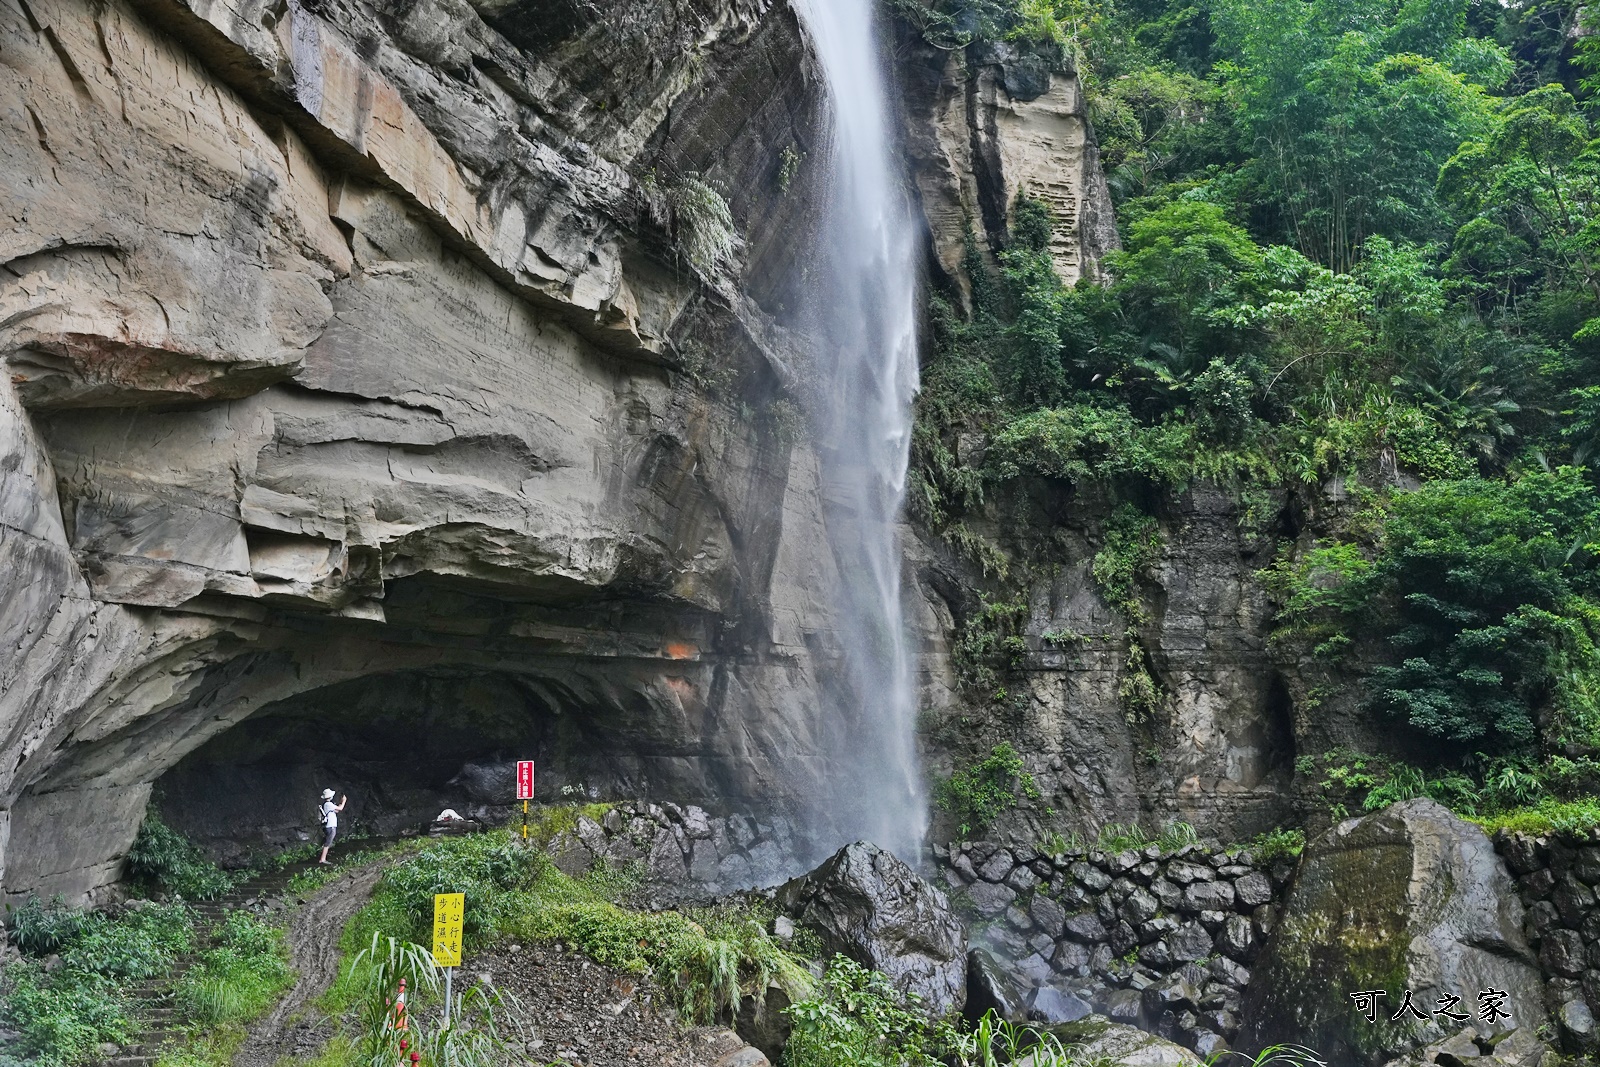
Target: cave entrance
[{"x": 402, "y": 745}]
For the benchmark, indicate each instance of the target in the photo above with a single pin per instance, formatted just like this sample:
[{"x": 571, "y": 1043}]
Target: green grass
[
  {"x": 1115, "y": 837},
  {"x": 241, "y": 977},
  {"x": 308, "y": 881},
  {"x": 545, "y": 822},
  {"x": 1279, "y": 843},
  {"x": 1548, "y": 816},
  {"x": 214, "y": 1049},
  {"x": 702, "y": 956}
]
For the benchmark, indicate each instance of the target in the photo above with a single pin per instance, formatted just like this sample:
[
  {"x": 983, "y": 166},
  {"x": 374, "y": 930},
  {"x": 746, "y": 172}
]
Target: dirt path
[{"x": 295, "y": 1027}]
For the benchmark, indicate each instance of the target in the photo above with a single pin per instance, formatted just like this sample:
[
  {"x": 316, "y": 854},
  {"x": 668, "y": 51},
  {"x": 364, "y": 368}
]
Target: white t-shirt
[{"x": 330, "y": 814}]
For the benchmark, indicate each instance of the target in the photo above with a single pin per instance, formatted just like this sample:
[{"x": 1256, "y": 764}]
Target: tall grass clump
[
  {"x": 239, "y": 978},
  {"x": 387, "y": 1035},
  {"x": 706, "y": 232}
]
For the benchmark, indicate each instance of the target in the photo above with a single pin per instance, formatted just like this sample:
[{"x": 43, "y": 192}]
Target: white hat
[{"x": 327, "y": 794}]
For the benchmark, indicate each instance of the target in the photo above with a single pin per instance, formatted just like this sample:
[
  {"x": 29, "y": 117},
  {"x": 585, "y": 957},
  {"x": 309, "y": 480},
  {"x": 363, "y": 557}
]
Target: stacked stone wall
[
  {"x": 1558, "y": 879},
  {"x": 1160, "y": 939}
]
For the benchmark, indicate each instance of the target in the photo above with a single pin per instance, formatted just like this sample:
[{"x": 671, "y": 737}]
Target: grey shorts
[{"x": 328, "y": 833}]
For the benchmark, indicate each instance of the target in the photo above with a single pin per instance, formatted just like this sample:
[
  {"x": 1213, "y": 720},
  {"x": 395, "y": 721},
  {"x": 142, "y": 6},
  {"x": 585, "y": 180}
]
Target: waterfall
[{"x": 862, "y": 296}]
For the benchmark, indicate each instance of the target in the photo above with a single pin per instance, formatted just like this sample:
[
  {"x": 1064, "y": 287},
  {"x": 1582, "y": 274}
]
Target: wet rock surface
[
  {"x": 1096, "y": 1039},
  {"x": 682, "y": 852},
  {"x": 1557, "y": 881},
  {"x": 870, "y": 906},
  {"x": 1163, "y": 940},
  {"x": 1409, "y": 898}
]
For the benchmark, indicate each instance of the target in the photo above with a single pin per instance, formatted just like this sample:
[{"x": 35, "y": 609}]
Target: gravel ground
[{"x": 579, "y": 1012}]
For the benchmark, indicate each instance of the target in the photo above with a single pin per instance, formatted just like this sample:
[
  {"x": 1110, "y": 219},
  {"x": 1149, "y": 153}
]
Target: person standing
[{"x": 330, "y": 821}]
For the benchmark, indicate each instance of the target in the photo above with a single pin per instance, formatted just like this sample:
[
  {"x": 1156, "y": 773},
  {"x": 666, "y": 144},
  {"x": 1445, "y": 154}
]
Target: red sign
[{"x": 525, "y": 779}]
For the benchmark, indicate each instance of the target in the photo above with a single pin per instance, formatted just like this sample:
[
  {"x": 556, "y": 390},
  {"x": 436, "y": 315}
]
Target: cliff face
[
  {"x": 344, "y": 348},
  {"x": 383, "y": 375},
  {"x": 987, "y": 122},
  {"x": 1227, "y": 713}
]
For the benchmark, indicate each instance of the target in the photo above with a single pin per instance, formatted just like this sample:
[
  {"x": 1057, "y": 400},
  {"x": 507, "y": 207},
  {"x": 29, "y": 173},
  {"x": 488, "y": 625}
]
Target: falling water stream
[{"x": 863, "y": 315}]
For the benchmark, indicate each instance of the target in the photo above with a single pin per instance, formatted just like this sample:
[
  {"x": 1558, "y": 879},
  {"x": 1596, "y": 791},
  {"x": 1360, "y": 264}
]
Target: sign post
[
  {"x": 525, "y": 790},
  {"x": 448, "y": 910}
]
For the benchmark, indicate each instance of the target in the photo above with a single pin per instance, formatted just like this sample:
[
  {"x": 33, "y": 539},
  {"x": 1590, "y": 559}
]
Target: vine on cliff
[{"x": 1132, "y": 545}]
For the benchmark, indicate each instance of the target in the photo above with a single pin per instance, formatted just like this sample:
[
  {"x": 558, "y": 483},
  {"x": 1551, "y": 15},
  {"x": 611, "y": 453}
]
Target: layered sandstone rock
[
  {"x": 342, "y": 343},
  {"x": 990, "y": 121}
]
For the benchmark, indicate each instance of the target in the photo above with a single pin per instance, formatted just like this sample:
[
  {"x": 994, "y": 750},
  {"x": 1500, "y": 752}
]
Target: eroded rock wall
[
  {"x": 986, "y": 122},
  {"x": 347, "y": 339},
  {"x": 1216, "y": 747},
  {"x": 981, "y": 124}
]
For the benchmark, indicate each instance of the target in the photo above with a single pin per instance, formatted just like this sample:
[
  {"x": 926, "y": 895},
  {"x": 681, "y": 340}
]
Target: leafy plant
[
  {"x": 39, "y": 929},
  {"x": 63, "y": 1018},
  {"x": 1279, "y": 843},
  {"x": 240, "y": 977},
  {"x": 63, "y": 1015},
  {"x": 991, "y": 643},
  {"x": 705, "y": 228},
  {"x": 858, "y": 1019},
  {"x": 995, "y": 785},
  {"x": 161, "y": 860}
]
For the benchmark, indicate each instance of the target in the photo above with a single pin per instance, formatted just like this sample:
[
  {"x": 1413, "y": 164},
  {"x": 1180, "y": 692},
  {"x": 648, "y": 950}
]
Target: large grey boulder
[
  {"x": 991, "y": 988},
  {"x": 1097, "y": 1040},
  {"x": 1408, "y": 898},
  {"x": 870, "y": 906}
]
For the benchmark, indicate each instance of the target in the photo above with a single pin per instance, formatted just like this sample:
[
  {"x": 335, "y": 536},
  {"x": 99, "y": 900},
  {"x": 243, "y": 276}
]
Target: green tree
[
  {"x": 1347, "y": 109},
  {"x": 1181, "y": 267},
  {"x": 1482, "y": 587}
]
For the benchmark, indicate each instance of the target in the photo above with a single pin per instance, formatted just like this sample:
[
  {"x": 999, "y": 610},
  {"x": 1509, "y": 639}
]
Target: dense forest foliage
[{"x": 1361, "y": 241}]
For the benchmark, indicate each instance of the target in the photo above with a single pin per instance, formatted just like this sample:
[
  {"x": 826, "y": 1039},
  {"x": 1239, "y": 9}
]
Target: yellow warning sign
[{"x": 448, "y": 908}]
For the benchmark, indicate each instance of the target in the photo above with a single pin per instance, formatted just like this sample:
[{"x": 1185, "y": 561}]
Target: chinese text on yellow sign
[{"x": 448, "y": 909}]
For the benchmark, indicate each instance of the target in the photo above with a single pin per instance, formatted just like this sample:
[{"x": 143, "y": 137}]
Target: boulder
[
  {"x": 1410, "y": 897},
  {"x": 1095, "y": 1039},
  {"x": 1052, "y": 1006},
  {"x": 991, "y": 988},
  {"x": 870, "y": 906}
]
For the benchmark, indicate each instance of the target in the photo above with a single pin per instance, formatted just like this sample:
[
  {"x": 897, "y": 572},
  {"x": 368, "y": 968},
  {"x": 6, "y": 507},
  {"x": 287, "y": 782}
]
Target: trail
[{"x": 295, "y": 1027}]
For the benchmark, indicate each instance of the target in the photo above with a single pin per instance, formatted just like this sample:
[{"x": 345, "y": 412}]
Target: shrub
[
  {"x": 1481, "y": 587},
  {"x": 63, "y": 1016},
  {"x": 1081, "y": 442},
  {"x": 61, "y": 1019},
  {"x": 1548, "y": 816},
  {"x": 705, "y": 957},
  {"x": 161, "y": 860},
  {"x": 141, "y": 944},
  {"x": 487, "y": 868},
  {"x": 1280, "y": 843},
  {"x": 857, "y": 1019},
  {"x": 39, "y": 929},
  {"x": 992, "y": 787}
]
